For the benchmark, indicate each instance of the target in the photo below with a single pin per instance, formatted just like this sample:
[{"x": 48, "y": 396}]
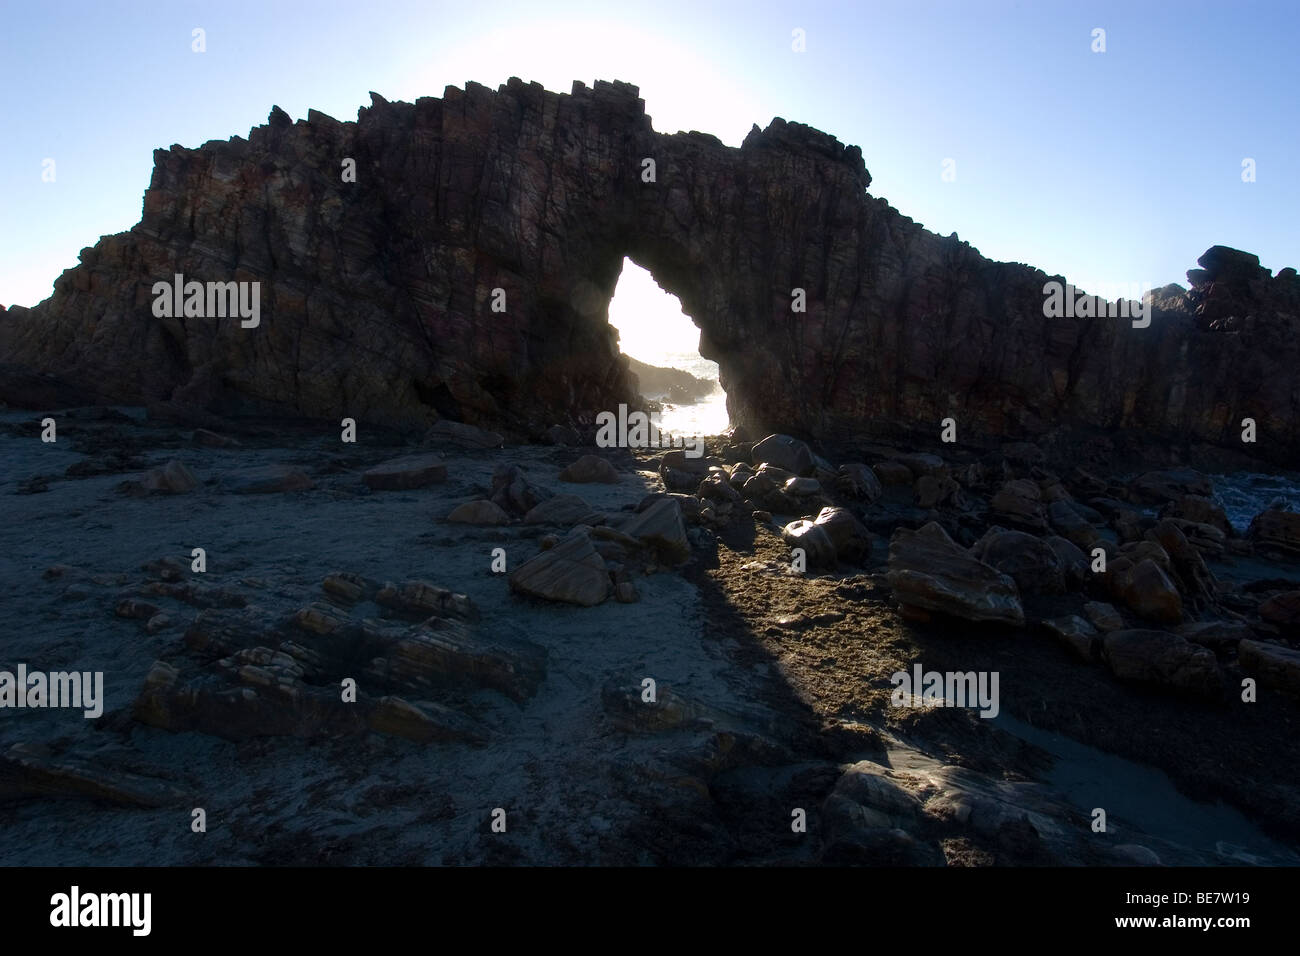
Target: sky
[{"x": 997, "y": 120}]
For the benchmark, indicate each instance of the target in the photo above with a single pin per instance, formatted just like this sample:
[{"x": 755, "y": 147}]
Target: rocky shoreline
[{"x": 499, "y": 608}]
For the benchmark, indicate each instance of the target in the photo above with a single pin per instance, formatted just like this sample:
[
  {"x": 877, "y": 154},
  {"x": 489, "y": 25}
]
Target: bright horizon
[{"x": 1116, "y": 167}]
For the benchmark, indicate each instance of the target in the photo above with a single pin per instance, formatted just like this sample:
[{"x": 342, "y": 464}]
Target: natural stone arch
[{"x": 375, "y": 292}]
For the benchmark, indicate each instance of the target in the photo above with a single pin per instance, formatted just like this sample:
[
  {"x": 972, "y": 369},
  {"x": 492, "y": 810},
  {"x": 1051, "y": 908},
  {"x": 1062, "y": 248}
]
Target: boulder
[
  {"x": 572, "y": 572},
  {"x": 1103, "y": 616},
  {"x": 802, "y": 487},
  {"x": 1216, "y": 635},
  {"x": 858, "y": 481},
  {"x": 662, "y": 528},
  {"x": 513, "y": 492},
  {"x": 716, "y": 487},
  {"x": 850, "y": 537},
  {"x": 784, "y": 452},
  {"x": 1275, "y": 530},
  {"x": 928, "y": 570},
  {"x": 1079, "y": 637},
  {"x": 563, "y": 435},
  {"x": 564, "y": 510},
  {"x": 1071, "y": 525},
  {"x": 1282, "y": 611},
  {"x": 1075, "y": 565},
  {"x": 1161, "y": 487},
  {"x": 1159, "y": 657},
  {"x": 1147, "y": 591},
  {"x": 892, "y": 473},
  {"x": 934, "y": 491},
  {"x": 815, "y": 541},
  {"x": 1200, "y": 510},
  {"x": 589, "y": 469},
  {"x": 1186, "y": 565},
  {"x": 1027, "y": 560},
  {"x": 172, "y": 478},
  {"x": 921, "y": 464},
  {"x": 1272, "y": 665},
  {"x": 1019, "y": 503}
]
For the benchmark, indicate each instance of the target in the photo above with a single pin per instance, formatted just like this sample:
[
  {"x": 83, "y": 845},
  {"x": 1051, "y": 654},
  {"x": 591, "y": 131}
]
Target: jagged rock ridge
[{"x": 376, "y": 294}]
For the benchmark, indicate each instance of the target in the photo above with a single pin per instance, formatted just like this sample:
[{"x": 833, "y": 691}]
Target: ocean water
[
  {"x": 1246, "y": 494},
  {"x": 708, "y": 416}
]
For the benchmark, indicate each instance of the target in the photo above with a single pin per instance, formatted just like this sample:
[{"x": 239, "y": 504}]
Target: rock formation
[{"x": 378, "y": 297}]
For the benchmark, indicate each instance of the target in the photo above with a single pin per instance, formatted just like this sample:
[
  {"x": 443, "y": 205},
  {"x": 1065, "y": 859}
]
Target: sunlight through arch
[{"x": 653, "y": 330}]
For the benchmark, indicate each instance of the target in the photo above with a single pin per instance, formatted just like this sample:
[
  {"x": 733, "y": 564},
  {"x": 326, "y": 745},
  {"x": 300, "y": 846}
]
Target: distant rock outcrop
[
  {"x": 669, "y": 384},
  {"x": 466, "y": 273}
]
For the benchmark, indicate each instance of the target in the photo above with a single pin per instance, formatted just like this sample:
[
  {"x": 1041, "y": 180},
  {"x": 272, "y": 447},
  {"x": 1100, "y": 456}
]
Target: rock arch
[{"x": 375, "y": 294}]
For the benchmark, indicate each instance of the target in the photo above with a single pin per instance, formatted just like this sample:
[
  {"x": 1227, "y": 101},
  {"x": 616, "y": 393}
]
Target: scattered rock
[
  {"x": 512, "y": 491},
  {"x": 266, "y": 479},
  {"x": 802, "y": 487},
  {"x": 572, "y": 572},
  {"x": 422, "y": 599},
  {"x": 481, "y": 512},
  {"x": 1019, "y": 502},
  {"x": 859, "y": 481},
  {"x": 1160, "y": 487},
  {"x": 172, "y": 478},
  {"x": 563, "y": 509},
  {"x": 1275, "y": 530},
  {"x": 1282, "y": 610},
  {"x": 815, "y": 541},
  {"x": 892, "y": 473},
  {"x": 406, "y": 473},
  {"x": 661, "y": 527},
  {"x": 784, "y": 452},
  {"x": 563, "y": 435},
  {"x": 1159, "y": 657},
  {"x": 1199, "y": 510},
  {"x": 1274, "y": 666},
  {"x": 458, "y": 433},
  {"x": 1147, "y": 591},
  {"x": 934, "y": 491},
  {"x": 850, "y": 537},
  {"x": 1077, "y": 635},
  {"x": 928, "y": 570},
  {"x": 1027, "y": 560},
  {"x": 1103, "y": 616},
  {"x": 590, "y": 468}
]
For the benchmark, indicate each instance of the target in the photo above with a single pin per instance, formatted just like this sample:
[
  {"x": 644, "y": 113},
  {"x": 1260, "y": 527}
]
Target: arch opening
[{"x": 662, "y": 344}]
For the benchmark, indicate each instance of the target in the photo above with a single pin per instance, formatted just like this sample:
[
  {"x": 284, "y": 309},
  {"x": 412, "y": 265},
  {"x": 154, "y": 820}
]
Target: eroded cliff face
[{"x": 376, "y": 296}]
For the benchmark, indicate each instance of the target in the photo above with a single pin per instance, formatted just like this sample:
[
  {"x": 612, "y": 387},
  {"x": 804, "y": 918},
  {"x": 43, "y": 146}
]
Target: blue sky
[{"x": 1117, "y": 167}]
